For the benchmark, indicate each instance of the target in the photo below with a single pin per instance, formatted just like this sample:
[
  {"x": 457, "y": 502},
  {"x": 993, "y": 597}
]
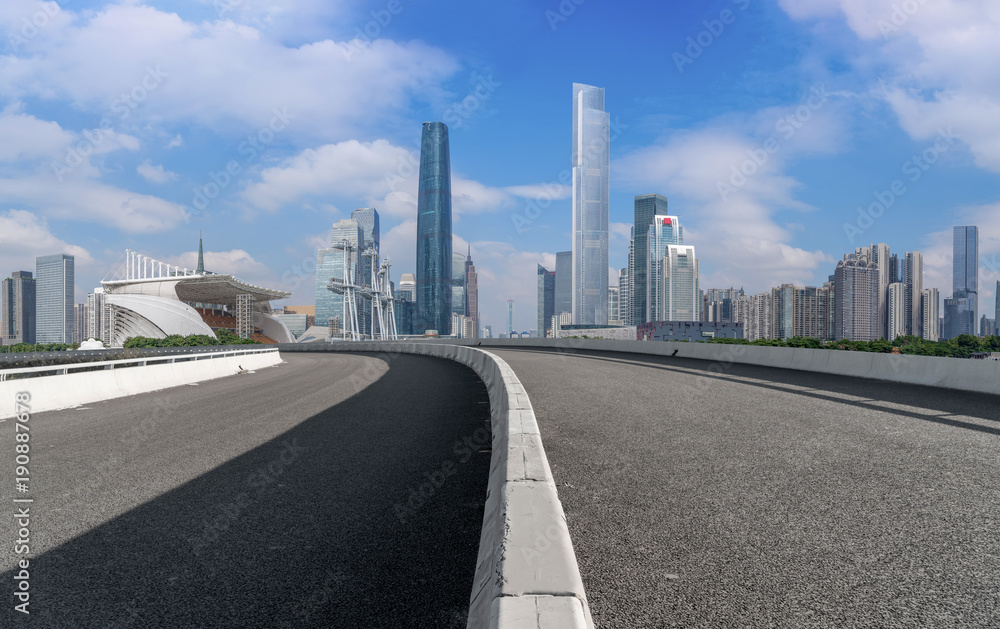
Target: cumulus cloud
[
  {"x": 155, "y": 174},
  {"x": 25, "y": 236},
  {"x": 165, "y": 76}
]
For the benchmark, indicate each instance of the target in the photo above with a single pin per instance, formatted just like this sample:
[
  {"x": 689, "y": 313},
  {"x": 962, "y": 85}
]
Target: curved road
[
  {"x": 770, "y": 498},
  {"x": 332, "y": 490}
]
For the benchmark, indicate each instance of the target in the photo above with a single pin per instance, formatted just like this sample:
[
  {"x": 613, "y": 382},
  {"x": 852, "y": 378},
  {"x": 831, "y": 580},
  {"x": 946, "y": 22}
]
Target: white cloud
[
  {"x": 233, "y": 262},
  {"x": 25, "y": 236},
  {"x": 165, "y": 75},
  {"x": 175, "y": 142},
  {"x": 155, "y": 174}
]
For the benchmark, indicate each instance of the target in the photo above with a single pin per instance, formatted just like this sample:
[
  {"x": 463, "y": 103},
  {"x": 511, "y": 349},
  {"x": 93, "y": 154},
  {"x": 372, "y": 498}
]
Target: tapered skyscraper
[
  {"x": 434, "y": 260},
  {"x": 591, "y": 178}
]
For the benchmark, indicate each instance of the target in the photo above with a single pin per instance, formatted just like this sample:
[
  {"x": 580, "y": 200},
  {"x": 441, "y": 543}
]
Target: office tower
[
  {"x": 54, "y": 279},
  {"x": 368, "y": 221},
  {"x": 79, "y": 322},
  {"x": 404, "y": 310},
  {"x": 965, "y": 274},
  {"x": 677, "y": 294},
  {"x": 546, "y": 300},
  {"x": 880, "y": 256},
  {"x": 930, "y": 310},
  {"x": 510, "y": 317},
  {"x": 895, "y": 270},
  {"x": 17, "y": 302},
  {"x": 564, "y": 282},
  {"x": 896, "y": 311},
  {"x": 330, "y": 264},
  {"x": 434, "y": 231},
  {"x": 986, "y": 326},
  {"x": 408, "y": 284},
  {"x": 663, "y": 232},
  {"x": 783, "y": 311},
  {"x": 614, "y": 313},
  {"x": 472, "y": 293},
  {"x": 856, "y": 298},
  {"x": 591, "y": 181},
  {"x": 646, "y": 206},
  {"x": 458, "y": 305},
  {"x": 625, "y": 295},
  {"x": 913, "y": 277}
]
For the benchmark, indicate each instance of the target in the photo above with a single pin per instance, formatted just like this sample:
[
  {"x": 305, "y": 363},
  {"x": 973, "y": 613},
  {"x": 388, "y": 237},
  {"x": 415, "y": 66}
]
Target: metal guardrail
[
  {"x": 153, "y": 358},
  {"x": 33, "y": 359}
]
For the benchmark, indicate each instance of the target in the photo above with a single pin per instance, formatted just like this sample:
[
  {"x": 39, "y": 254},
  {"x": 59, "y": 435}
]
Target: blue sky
[{"x": 119, "y": 119}]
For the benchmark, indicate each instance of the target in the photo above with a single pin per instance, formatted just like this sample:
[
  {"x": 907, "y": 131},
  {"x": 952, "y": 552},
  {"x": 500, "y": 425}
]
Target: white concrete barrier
[
  {"x": 80, "y": 384},
  {"x": 527, "y": 575}
]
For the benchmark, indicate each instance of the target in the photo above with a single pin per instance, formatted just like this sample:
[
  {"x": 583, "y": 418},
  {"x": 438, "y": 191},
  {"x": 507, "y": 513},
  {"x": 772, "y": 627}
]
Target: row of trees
[
  {"x": 23, "y": 348},
  {"x": 961, "y": 346},
  {"x": 222, "y": 337}
]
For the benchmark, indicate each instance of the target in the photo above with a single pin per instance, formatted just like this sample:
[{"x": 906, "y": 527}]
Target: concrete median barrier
[{"x": 527, "y": 575}]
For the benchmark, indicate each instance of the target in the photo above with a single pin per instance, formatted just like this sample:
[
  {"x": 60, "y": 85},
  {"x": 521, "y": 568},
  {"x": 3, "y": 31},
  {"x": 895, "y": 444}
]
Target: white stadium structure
[{"x": 146, "y": 297}]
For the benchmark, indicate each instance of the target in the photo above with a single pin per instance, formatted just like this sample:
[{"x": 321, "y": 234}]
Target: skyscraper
[
  {"x": 965, "y": 275},
  {"x": 458, "y": 304},
  {"x": 591, "y": 180},
  {"x": 663, "y": 232},
  {"x": 55, "y": 278},
  {"x": 330, "y": 265},
  {"x": 367, "y": 219},
  {"x": 913, "y": 277},
  {"x": 896, "y": 310},
  {"x": 17, "y": 307},
  {"x": 546, "y": 300},
  {"x": 510, "y": 317},
  {"x": 408, "y": 284},
  {"x": 996, "y": 307},
  {"x": 930, "y": 308},
  {"x": 625, "y": 295},
  {"x": 646, "y": 207},
  {"x": 856, "y": 298},
  {"x": 472, "y": 293},
  {"x": 564, "y": 282},
  {"x": 677, "y": 290},
  {"x": 434, "y": 260},
  {"x": 880, "y": 256}
]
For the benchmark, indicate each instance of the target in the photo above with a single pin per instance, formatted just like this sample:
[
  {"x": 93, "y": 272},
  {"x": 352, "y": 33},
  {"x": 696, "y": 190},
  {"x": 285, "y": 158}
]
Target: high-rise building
[
  {"x": 758, "y": 325},
  {"x": 913, "y": 278},
  {"x": 930, "y": 310},
  {"x": 458, "y": 305},
  {"x": 510, "y": 317},
  {"x": 368, "y": 220},
  {"x": 880, "y": 256},
  {"x": 663, "y": 232},
  {"x": 17, "y": 307},
  {"x": 678, "y": 297},
  {"x": 625, "y": 295},
  {"x": 79, "y": 322},
  {"x": 856, "y": 298},
  {"x": 965, "y": 275},
  {"x": 54, "y": 280},
  {"x": 958, "y": 313},
  {"x": 895, "y": 270},
  {"x": 896, "y": 311},
  {"x": 614, "y": 311},
  {"x": 647, "y": 206},
  {"x": 987, "y": 326},
  {"x": 99, "y": 317},
  {"x": 330, "y": 264},
  {"x": 564, "y": 283},
  {"x": 472, "y": 293},
  {"x": 404, "y": 309},
  {"x": 434, "y": 259},
  {"x": 408, "y": 284},
  {"x": 591, "y": 183},
  {"x": 546, "y": 300}
]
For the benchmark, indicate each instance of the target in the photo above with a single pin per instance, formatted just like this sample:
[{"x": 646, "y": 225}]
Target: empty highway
[
  {"x": 332, "y": 490},
  {"x": 759, "y": 497}
]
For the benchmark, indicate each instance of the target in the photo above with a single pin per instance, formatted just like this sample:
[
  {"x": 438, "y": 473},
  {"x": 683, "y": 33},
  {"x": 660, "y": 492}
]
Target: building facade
[
  {"x": 664, "y": 232},
  {"x": 856, "y": 299},
  {"x": 434, "y": 259},
  {"x": 546, "y": 300},
  {"x": 341, "y": 263},
  {"x": 54, "y": 282},
  {"x": 17, "y": 309},
  {"x": 647, "y": 206},
  {"x": 691, "y": 331},
  {"x": 591, "y": 185},
  {"x": 930, "y": 310},
  {"x": 472, "y": 294},
  {"x": 896, "y": 311},
  {"x": 677, "y": 294},
  {"x": 913, "y": 278}
]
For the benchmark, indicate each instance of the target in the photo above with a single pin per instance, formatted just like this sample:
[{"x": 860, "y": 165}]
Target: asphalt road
[
  {"x": 329, "y": 491},
  {"x": 770, "y": 498}
]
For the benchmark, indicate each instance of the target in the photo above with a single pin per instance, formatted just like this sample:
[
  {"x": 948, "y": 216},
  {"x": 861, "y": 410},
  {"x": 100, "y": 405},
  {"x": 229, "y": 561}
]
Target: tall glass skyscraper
[
  {"x": 663, "y": 232},
  {"x": 458, "y": 279},
  {"x": 434, "y": 259},
  {"x": 591, "y": 180},
  {"x": 965, "y": 272},
  {"x": 17, "y": 302},
  {"x": 564, "y": 283},
  {"x": 330, "y": 265},
  {"x": 546, "y": 300},
  {"x": 55, "y": 278},
  {"x": 646, "y": 207},
  {"x": 913, "y": 278},
  {"x": 678, "y": 293},
  {"x": 367, "y": 219}
]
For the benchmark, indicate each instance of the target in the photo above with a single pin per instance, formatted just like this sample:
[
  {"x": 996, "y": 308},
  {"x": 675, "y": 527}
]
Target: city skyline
[{"x": 857, "y": 142}]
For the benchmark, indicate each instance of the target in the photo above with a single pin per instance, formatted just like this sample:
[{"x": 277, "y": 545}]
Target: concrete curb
[
  {"x": 527, "y": 576},
  {"x": 54, "y": 392}
]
